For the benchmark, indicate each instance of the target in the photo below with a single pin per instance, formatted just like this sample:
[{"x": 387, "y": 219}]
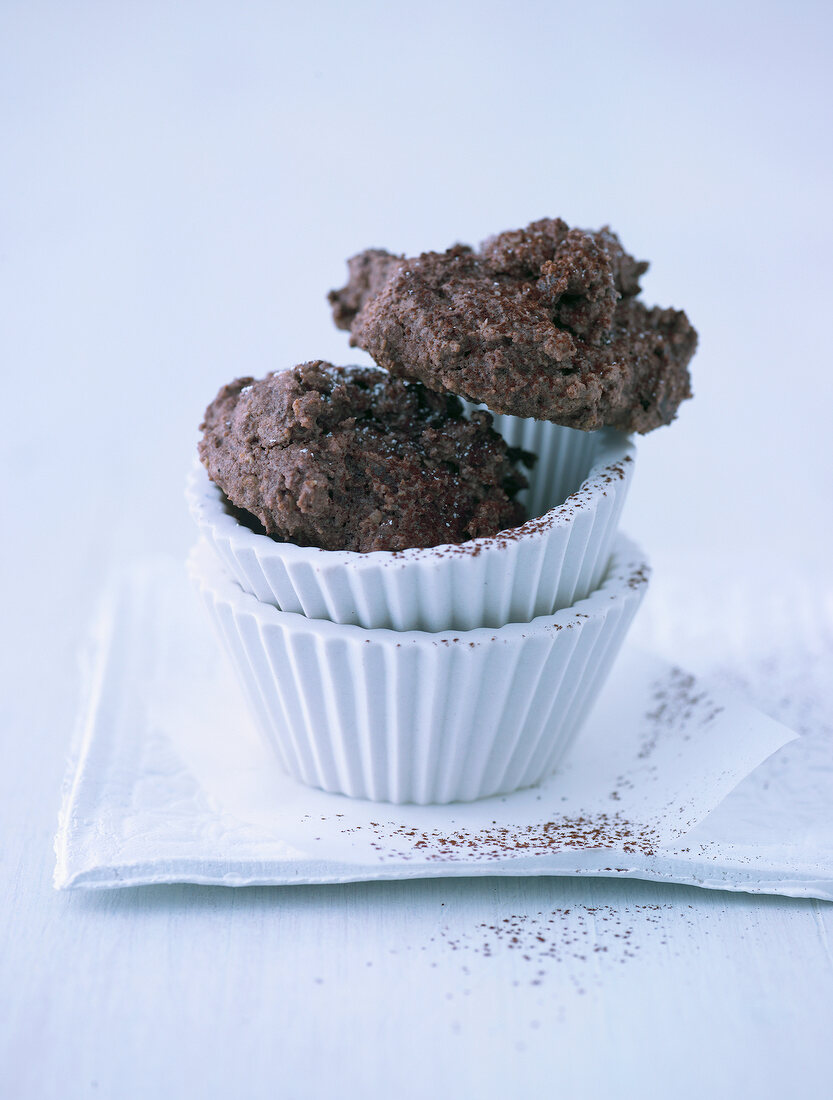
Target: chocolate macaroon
[
  {"x": 541, "y": 322},
  {"x": 351, "y": 458}
]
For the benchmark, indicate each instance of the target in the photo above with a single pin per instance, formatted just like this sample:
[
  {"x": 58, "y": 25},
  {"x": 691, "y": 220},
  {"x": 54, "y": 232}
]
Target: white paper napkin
[{"x": 170, "y": 782}]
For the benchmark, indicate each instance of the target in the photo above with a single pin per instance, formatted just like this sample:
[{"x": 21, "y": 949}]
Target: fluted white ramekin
[
  {"x": 576, "y": 493},
  {"x": 418, "y": 717}
]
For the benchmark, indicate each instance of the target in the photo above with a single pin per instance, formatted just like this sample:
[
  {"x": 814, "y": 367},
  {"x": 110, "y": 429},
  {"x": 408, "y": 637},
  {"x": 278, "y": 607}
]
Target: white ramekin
[
  {"x": 418, "y": 717},
  {"x": 577, "y": 490}
]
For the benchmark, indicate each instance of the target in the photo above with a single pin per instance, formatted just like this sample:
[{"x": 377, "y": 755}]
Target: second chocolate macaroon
[{"x": 350, "y": 458}]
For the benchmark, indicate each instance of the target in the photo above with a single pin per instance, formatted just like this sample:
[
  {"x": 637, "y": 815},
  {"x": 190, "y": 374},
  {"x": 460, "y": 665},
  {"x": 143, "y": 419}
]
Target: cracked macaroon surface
[
  {"x": 541, "y": 322},
  {"x": 351, "y": 458}
]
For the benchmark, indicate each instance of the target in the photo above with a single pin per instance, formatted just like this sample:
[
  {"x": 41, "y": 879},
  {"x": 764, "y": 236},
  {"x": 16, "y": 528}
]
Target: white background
[{"x": 181, "y": 184}]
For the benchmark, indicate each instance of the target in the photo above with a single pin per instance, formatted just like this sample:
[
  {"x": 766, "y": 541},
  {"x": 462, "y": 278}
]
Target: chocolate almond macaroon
[
  {"x": 351, "y": 458},
  {"x": 542, "y": 322}
]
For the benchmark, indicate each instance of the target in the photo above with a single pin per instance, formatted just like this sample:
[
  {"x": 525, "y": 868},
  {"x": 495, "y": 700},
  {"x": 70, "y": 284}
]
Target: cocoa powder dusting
[
  {"x": 677, "y": 702},
  {"x": 579, "y": 934},
  {"x": 597, "y": 831}
]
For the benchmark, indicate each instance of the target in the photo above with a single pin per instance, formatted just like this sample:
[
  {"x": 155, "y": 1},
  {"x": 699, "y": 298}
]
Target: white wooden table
[
  {"x": 406, "y": 990},
  {"x": 185, "y": 182}
]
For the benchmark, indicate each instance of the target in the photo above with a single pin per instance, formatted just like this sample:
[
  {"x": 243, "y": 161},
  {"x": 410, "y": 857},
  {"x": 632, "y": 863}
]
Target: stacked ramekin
[{"x": 433, "y": 675}]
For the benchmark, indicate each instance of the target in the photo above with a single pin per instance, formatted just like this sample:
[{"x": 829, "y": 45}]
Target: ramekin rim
[{"x": 627, "y": 574}]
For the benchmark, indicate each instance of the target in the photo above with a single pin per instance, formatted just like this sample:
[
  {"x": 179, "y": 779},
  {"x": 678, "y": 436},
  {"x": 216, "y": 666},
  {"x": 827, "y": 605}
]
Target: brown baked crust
[
  {"x": 350, "y": 458},
  {"x": 366, "y": 275},
  {"x": 541, "y": 322}
]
